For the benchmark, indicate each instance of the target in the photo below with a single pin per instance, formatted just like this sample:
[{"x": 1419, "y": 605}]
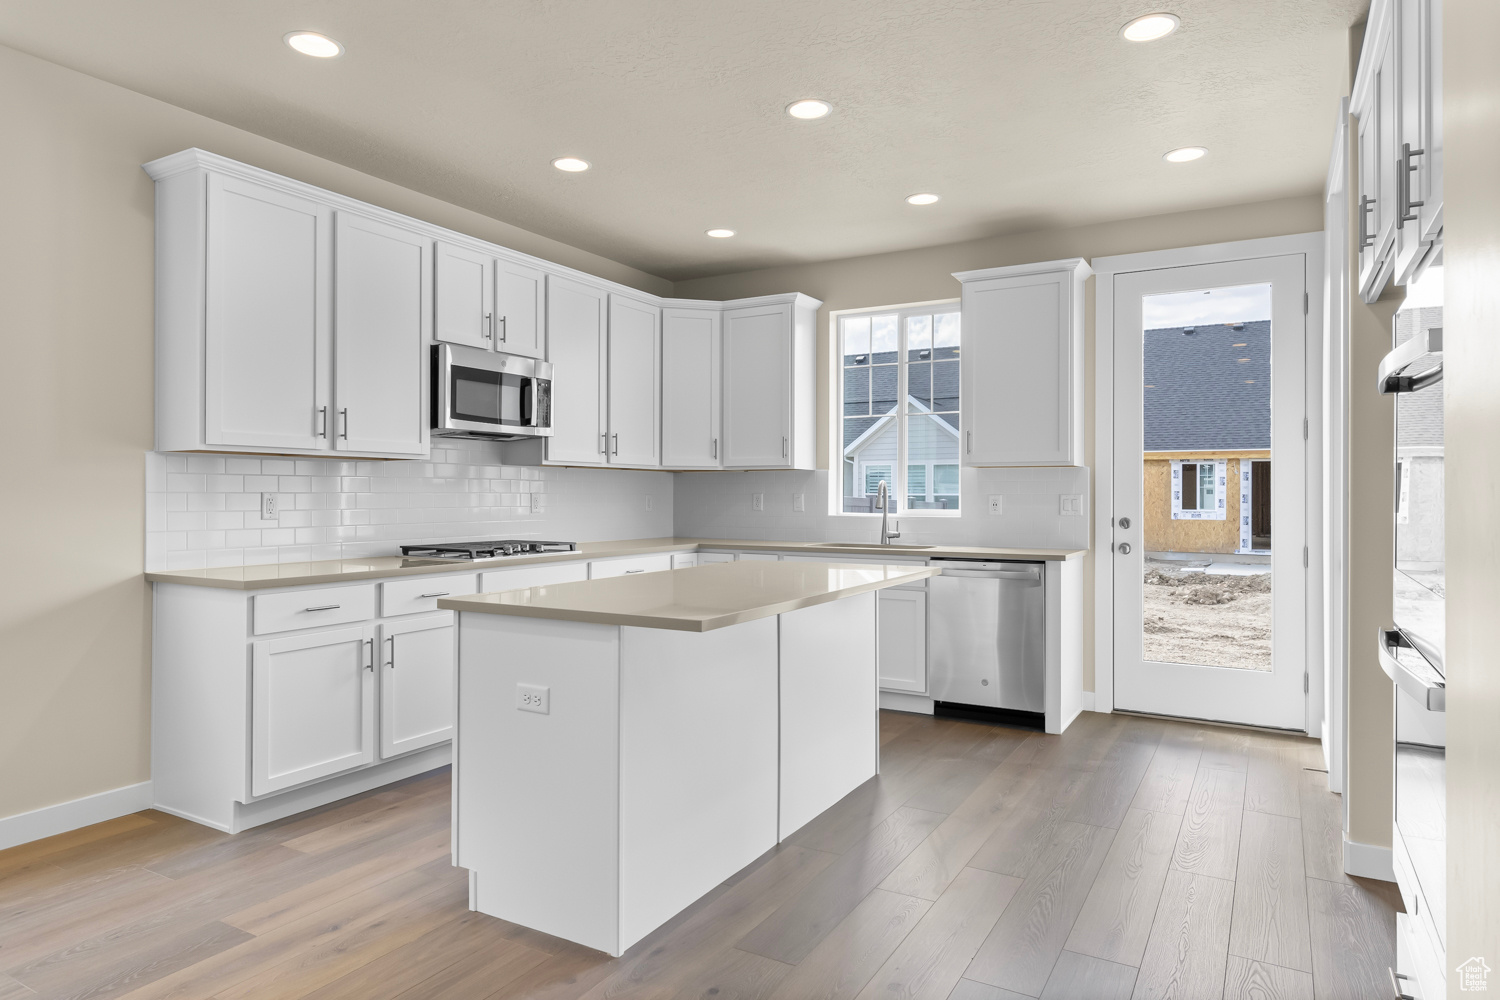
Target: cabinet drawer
[
  {"x": 521, "y": 577},
  {"x": 312, "y": 608},
  {"x": 654, "y": 563},
  {"x": 406, "y": 597},
  {"x": 833, "y": 557}
]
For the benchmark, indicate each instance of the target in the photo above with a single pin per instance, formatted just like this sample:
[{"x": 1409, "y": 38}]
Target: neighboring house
[
  {"x": 870, "y": 442},
  {"x": 1207, "y": 447}
]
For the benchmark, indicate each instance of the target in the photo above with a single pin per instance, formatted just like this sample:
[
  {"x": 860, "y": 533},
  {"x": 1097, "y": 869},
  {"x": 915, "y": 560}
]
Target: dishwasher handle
[{"x": 1020, "y": 575}]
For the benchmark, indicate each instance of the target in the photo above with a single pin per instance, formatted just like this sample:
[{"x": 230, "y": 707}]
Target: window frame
[{"x": 899, "y": 486}]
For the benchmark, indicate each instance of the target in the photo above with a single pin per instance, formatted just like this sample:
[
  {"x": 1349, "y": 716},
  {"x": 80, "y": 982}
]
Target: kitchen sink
[{"x": 870, "y": 545}]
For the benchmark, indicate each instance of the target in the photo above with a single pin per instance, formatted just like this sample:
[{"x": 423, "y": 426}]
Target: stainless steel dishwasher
[{"x": 987, "y": 635}]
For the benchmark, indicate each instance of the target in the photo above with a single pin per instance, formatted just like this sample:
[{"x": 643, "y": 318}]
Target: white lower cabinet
[
  {"x": 416, "y": 683},
  {"x": 902, "y": 644},
  {"x": 532, "y": 576},
  {"x": 628, "y": 565},
  {"x": 313, "y": 706}
]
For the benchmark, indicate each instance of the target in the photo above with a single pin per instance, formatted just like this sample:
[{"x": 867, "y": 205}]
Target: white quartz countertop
[
  {"x": 697, "y": 599},
  {"x": 271, "y": 575}
]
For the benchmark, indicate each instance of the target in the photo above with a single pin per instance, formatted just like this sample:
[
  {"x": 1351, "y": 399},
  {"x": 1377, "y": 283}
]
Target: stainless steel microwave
[{"x": 483, "y": 394}]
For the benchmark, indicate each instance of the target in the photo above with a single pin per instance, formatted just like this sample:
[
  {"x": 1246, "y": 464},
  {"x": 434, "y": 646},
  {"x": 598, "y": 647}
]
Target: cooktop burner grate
[{"x": 485, "y": 549}]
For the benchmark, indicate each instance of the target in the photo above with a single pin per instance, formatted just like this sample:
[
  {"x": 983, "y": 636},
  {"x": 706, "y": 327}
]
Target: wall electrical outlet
[
  {"x": 757, "y": 501},
  {"x": 997, "y": 503},
  {"x": 270, "y": 509},
  {"x": 1070, "y": 504},
  {"x": 534, "y": 698},
  {"x": 536, "y": 503},
  {"x": 799, "y": 502}
]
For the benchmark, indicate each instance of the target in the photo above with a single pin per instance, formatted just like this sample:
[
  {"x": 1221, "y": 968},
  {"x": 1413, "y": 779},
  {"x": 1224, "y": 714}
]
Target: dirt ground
[{"x": 1215, "y": 619}]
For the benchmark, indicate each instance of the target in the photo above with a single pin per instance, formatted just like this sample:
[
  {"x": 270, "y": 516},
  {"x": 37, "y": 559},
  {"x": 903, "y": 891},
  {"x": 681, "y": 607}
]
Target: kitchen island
[{"x": 625, "y": 744}]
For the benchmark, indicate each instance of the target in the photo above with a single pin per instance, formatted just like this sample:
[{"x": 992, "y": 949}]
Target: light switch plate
[
  {"x": 534, "y": 698},
  {"x": 997, "y": 503},
  {"x": 1070, "y": 504},
  {"x": 757, "y": 501},
  {"x": 650, "y": 502},
  {"x": 799, "y": 502}
]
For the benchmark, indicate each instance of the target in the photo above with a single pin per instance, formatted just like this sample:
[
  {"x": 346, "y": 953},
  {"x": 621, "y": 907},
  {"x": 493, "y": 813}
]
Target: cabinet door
[
  {"x": 757, "y": 360},
  {"x": 1375, "y": 106},
  {"x": 383, "y": 274},
  {"x": 520, "y": 309},
  {"x": 690, "y": 388},
  {"x": 416, "y": 683},
  {"x": 269, "y": 308},
  {"x": 576, "y": 341},
  {"x": 1418, "y": 142},
  {"x": 634, "y": 382},
  {"x": 1022, "y": 327},
  {"x": 313, "y": 707},
  {"x": 902, "y": 648},
  {"x": 463, "y": 297}
]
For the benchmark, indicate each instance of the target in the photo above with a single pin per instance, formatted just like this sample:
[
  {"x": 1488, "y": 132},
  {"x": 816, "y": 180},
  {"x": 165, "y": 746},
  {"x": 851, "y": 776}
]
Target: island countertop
[{"x": 696, "y": 599}]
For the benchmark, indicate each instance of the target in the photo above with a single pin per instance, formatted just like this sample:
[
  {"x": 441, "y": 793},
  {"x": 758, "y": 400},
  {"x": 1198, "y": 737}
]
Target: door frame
[{"x": 1105, "y": 271}]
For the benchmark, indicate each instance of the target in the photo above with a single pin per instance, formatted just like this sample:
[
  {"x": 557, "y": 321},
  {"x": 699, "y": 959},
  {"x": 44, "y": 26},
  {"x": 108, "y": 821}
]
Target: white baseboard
[
  {"x": 899, "y": 701},
  {"x": 1368, "y": 861},
  {"x": 1088, "y": 701},
  {"x": 49, "y": 821}
]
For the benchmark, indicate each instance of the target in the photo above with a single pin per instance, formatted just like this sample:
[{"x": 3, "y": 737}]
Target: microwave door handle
[{"x": 528, "y": 402}]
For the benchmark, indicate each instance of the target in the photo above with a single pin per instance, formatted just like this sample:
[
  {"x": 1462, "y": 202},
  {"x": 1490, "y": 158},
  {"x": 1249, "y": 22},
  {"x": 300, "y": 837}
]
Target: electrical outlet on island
[{"x": 534, "y": 698}]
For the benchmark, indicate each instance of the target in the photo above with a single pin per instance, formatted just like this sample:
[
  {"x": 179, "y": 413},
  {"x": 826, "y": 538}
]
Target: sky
[{"x": 1200, "y": 307}]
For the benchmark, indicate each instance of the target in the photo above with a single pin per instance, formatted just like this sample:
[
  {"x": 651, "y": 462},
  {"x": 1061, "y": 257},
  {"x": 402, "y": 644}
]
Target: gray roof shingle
[{"x": 1200, "y": 395}]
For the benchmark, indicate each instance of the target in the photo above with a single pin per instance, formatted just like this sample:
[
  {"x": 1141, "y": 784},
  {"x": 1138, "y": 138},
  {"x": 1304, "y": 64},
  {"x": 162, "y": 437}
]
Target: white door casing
[
  {"x": 1272, "y": 698},
  {"x": 417, "y": 658},
  {"x": 382, "y": 321},
  {"x": 312, "y": 706}
]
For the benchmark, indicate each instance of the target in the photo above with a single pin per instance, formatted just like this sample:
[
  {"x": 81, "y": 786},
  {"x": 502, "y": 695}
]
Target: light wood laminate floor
[{"x": 1127, "y": 858}]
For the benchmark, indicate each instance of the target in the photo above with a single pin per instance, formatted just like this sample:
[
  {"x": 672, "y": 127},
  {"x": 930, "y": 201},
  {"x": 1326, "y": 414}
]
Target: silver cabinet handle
[
  {"x": 439, "y": 593},
  {"x": 1123, "y": 548},
  {"x": 344, "y": 419},
  {"x": 617, "y": 444},
  {"x": 322, "y": 421},
  {"x": 783, "y": 447},
  {"x": 503, "y": 329},
  {"x": 489, "y": 327},
  {"x": 1366, "y": 206},
  {"x": 630, "y": 571},
  {"x": 716, "y": 448},
  {"x": 324, "y": 607},
  {"x": 970, "y": 441},
  {"x": 1404, "y": 170},
  {"x": 390, "y": 650},
  {"x": 604, "y": 443},
  {"x": 370, "y": 655}
]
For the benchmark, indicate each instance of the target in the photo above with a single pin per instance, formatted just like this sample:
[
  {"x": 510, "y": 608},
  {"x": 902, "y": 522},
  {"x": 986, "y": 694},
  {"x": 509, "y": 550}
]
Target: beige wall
[
  {"x": 1471, "y": 315},
  {"x": 926, "y": 274},
  {"x": 76, "y": 356}
]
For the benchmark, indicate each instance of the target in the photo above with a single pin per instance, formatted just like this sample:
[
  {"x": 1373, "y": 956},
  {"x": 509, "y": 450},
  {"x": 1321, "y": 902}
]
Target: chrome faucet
[{"x": 883, "y": 497}]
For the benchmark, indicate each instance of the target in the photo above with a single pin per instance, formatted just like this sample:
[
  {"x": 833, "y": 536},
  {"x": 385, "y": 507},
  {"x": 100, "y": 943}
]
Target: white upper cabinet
[
  {"x": 382, "y": 280},
  {"x": 464, "y": 294},
  {"x": 634, "y": 382},
  {"x": 1022, "y": 372},
  {"x": 1373, "y": 103},
  {"x": 769, "y": 357},
  {"x": 520, "y": 309},
  {"x": 265, "y": 332},
  {"x": 1419, "y": 132},
  {"x": 690, "y": 387},
  {"x": 576, "y": 336}
]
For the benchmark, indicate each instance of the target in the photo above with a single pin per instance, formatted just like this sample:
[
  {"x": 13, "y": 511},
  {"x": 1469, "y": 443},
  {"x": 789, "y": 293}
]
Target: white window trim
[{"x": 836, "y": 425}]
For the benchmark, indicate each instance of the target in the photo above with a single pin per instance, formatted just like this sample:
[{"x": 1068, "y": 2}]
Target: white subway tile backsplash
[
  {"x": 242, "y": 466},
  {"x": 277, "y": 466}
]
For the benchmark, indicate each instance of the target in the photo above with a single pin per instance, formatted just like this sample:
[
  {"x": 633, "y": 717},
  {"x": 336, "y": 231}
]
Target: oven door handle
[
  {"x": 1391, "y": 376},
  {"x": 1430, "y": 695}
]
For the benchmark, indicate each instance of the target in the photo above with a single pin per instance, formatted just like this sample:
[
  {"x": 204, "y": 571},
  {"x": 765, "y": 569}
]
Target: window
[
  {"x": 888, "y": 356},
  {"x": 1198, "y": 490}
]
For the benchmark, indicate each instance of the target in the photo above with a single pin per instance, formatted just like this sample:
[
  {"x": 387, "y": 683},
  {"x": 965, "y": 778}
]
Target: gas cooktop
[{"x": 485, "y": 549}]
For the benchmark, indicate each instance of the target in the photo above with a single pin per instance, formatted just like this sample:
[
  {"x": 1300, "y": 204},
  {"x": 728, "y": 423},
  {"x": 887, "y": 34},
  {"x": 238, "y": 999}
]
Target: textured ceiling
[{"x": 1022, "y": 114}]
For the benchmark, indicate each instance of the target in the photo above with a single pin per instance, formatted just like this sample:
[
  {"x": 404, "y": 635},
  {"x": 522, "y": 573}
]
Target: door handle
[
  {"x": 344, "y": 419},
  {"x": 1404, "y": 170},
  {"x": 783, "y": 447},
  {"x": 1430, "y": 694},
  {"x": 1366, "y": 206},
  {"x": 1123, "y": 548},
  {"x": 1124, "y": 522},
  {"x": 322, "y": 421},
  {"x": 604, "y": 443},
  {"x": 489, "y": 327},
  {"x": 970, "y": 441},
  {"x": 390, "y": 649},
  {"x": 716, "y": 448},
  {"x": 502, "y": 329},
  {"x": 370, "y": 655},
  {"x": 436, "y": 593},
  {"x": 617, "y": 444}
]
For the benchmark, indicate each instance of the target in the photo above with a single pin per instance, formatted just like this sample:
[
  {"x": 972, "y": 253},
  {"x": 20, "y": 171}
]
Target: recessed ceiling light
[
  {"x": 719, "y": 234},
  {"x": 571, "y": 164},
  {"x": 921, "y": 199},
  {"x": 1150, "y": 27},
  {"x": 1184, "y": 154},
  {"x": 310, "y": 43},
  {"x": 809, "y": 108}
]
